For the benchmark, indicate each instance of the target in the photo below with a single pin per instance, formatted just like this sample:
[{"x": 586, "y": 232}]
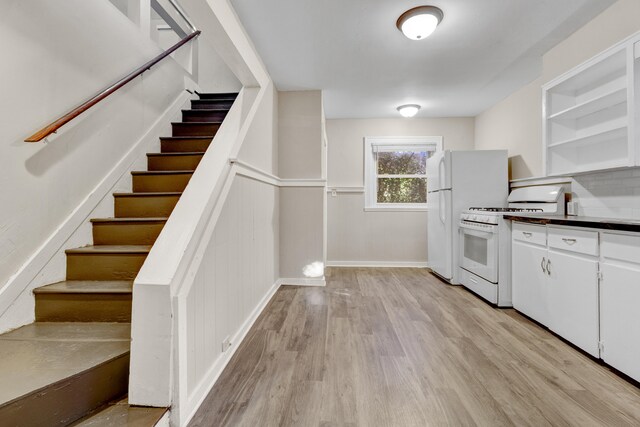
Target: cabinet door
[
  {"x": 573, "y": 299},
  {"x": 620, "y": 317},
  {"x": 529, "y": 280}
]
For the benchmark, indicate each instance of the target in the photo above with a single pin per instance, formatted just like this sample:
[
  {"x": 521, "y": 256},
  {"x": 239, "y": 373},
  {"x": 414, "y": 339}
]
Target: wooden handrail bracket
[{"x": 54, "y": 126}]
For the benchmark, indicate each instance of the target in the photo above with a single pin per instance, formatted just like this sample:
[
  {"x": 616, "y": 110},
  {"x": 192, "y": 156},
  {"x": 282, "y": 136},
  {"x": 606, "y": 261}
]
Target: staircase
[{"x": 72, "y": 365}]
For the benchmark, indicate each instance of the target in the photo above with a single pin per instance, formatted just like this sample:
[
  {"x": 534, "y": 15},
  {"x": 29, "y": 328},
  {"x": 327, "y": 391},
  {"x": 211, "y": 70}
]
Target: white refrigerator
[{"x": 457, "y": 181}]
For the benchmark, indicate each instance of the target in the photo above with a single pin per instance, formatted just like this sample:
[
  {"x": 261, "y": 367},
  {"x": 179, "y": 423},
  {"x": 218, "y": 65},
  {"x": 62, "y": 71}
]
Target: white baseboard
[
  {"x": 55, "y": 243},
  {"x": 210, "y": 378},
  {"x": 379, "y": 264},
  {"x": 302, "y": 281}
]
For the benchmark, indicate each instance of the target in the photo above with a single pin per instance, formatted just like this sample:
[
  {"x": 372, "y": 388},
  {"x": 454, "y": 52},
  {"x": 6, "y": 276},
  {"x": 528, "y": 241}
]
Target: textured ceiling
[{"x": 351, "y": 50}]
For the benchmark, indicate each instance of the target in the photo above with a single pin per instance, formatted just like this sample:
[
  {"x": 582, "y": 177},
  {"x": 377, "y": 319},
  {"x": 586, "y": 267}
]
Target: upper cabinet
[{"x": 590, "y": 114}]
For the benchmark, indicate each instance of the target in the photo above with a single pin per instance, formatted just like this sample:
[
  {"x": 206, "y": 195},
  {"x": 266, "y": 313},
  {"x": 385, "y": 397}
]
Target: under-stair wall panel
[{"x": 238, "y": 269}]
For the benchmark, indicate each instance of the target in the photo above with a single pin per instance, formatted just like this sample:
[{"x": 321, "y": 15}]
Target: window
[{"x": 396, "y": 172}]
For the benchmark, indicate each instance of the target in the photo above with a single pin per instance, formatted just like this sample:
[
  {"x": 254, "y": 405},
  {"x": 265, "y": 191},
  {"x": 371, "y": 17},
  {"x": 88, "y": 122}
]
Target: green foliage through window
[
  {"x": 402, "y": 163},
  {"x": 402, "y": 190},
  {"x": 402, "y": 176}
]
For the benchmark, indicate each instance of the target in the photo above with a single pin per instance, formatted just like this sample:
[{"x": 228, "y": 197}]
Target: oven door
[{"x": 479, "y": 250}]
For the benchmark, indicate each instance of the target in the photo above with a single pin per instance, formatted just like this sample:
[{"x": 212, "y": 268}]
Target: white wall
[
  {"x": 300, "y": 157},
  {"x": 300, "y": 134},
  {"x": 516, "y": 122},
  {"x": 213, "y": 74},
  {"x": 394, "y": 238},
  {"x": 60, "y": 54}
]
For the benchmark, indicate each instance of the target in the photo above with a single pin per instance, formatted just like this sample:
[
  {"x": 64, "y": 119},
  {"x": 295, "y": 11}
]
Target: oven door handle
[{"x": 475, "y": 232}]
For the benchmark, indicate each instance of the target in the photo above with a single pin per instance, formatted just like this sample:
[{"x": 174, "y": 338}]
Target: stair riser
[
  {"x": 83, "y": 308},
  {"x": 126, "y": 234},
  {"x": 173, "y": 163},
  {"x": 211, "y": 104},
  {"x": 185, "y": 145},
  {"x": 160, "y": 183},
  {"x": 104, "y": 266},
  {"x": 69, "y": 400},
  {"x": 144, "y": 207},
  {"x": 203, "y": 116},
  {"x": 187, "y": 129}
]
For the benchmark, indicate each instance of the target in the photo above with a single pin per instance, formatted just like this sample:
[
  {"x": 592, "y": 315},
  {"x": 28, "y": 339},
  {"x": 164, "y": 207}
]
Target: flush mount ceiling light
[
  {"x": 418, "y": 23},
  {"x": 408, "y": 110}
]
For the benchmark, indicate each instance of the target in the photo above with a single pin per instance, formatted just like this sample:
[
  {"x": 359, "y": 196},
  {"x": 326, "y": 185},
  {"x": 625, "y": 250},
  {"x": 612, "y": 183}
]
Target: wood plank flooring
[{"x": 397, "y": 347}]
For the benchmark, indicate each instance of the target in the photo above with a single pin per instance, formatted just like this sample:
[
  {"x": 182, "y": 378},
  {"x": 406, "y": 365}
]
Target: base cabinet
[
  {"x": 555, "y": 281},
  {"x": 619, "y": 299},
  {"x": 529, "y": 293},
  {"x": 572, "y": 297},
  {"x": 584, "y": 285}
]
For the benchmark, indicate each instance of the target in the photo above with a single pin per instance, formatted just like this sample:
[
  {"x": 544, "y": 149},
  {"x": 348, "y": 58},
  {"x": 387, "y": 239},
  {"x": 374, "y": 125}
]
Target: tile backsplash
[{"x": 614, "y": 194}]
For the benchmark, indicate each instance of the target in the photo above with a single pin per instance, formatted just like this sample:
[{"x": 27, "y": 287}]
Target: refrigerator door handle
[{"x": 441, "y": 210}]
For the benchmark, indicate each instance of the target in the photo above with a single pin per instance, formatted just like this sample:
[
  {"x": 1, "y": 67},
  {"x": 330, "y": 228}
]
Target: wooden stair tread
[
  {"x": 110, "y": 249},
  {"x": 127, "y": 220},
  {"x": 163, "y": 172},
  {"x": 120, "y": 414},
  {"x": 205, "y": 110},
  {"x": 70, "y": 331},
  {"x": 177, "y": 154},
  {"x": 154, "y": 194},
  {"x": 40, "y": 356},
  {"x": 215, "y": 95},
  {"x": 87, "y": 287},
  {"x": 217, "y": 122},
  {"x": 178, "y": 138}
]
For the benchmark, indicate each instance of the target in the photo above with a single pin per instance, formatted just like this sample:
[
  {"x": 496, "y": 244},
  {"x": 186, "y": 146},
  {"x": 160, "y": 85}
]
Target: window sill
[{"x": 395, "y": 209}]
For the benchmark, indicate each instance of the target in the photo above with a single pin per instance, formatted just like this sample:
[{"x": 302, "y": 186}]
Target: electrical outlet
[{"x": 226, "y": 344}]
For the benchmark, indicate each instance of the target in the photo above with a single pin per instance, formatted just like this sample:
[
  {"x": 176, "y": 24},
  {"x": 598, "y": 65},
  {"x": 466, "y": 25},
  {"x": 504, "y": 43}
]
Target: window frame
[{"x": 421, "y": 143}]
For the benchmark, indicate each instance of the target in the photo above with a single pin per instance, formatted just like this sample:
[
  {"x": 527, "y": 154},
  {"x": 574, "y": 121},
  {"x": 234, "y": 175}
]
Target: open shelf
[
  {"x": 617, "y": 130},
  {"x": 609, "y": 99},
  {"x": 607, "y": 68}
]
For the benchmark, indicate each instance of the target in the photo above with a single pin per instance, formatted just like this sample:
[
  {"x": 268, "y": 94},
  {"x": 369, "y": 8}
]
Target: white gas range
[{"x": 485, "y": 240}]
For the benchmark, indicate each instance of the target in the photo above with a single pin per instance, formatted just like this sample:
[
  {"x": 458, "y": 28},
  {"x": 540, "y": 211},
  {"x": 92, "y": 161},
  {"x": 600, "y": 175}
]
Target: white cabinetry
[
  {"x": 572, "y": 296},
  {"x": 619, "y": 299},
  {"x": 529, "y": 259},
  {"x": 556, "y": 283},
  {"x": 589, "y": 113},
  {"x": 584, "y": 285}
]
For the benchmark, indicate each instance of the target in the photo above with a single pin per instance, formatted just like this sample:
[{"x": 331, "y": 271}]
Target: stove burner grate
[{"x": 506, "y": 209}]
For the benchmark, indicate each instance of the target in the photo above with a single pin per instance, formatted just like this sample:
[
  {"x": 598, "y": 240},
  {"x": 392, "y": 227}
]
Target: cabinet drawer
[
  {"x": 621, "y": 247},
  {"x": 529, "y": 233},
  {"x": 579, "y": 241}
]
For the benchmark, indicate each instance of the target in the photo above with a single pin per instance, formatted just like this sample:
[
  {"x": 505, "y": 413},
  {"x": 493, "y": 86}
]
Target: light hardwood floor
[{"x": 397, "y": 347}]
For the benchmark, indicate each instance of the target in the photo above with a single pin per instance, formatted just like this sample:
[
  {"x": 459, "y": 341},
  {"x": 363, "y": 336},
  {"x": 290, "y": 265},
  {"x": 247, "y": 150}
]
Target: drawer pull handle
[
  {"x": 549, "y": 267},
  {"x": 542, "y": 264},
  {"x": 569, "y": 241},
  {"x": 527, "y": 234}
]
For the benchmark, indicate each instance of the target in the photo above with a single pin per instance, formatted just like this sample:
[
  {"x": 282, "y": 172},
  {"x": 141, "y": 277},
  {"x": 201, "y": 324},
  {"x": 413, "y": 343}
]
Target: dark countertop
[{"x": 580, "y": 221}]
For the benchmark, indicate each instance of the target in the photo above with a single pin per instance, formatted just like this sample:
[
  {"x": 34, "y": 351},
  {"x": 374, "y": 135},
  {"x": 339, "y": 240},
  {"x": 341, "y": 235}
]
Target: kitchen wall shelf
[
  {"x": 607, "y": 134},
  {"x": 590, "y": 114},
  {"x": 612, "y": 98}
]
